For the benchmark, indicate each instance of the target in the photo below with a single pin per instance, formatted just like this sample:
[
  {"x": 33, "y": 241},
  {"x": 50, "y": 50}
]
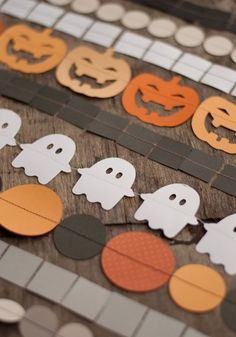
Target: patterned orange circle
[
  {"x": 30, "y": 210},
  {"x": 197, "y": 288},
  {"x": 137, "y": 261}
]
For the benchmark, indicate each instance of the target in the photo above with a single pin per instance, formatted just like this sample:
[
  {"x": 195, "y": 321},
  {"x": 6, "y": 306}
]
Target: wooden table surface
[{"x": 150, "y": 176}]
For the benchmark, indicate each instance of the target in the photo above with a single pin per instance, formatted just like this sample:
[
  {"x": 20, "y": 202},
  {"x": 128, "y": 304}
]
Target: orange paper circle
[
  {"x": 30, "y": 210},
  {"x": 137, "y": 261},
  {"x": 197, "y": 288}
]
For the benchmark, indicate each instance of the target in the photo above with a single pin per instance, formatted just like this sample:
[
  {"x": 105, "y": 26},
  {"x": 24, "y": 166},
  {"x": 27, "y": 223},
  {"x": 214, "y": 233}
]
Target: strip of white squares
[
  {"x": 135, "y": 45},
  {"x": 106, "y": 308}
]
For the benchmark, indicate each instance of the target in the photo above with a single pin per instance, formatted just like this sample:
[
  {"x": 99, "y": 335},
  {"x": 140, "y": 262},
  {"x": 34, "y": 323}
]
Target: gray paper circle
[
  {"x": 228, "y": 309},
  {"x": 80, "y": 237},
  {"x": 39, "y": 321}
]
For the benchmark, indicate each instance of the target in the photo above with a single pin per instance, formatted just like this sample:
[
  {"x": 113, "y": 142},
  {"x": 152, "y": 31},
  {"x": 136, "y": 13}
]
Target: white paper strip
[
  {"x": 46, "y": 14},
  {"x": 103, "y": 34},
  {"x": 17, "y": 8},
  {"x": 220, "y": 77},
  {"x": 74, "y": 24}
]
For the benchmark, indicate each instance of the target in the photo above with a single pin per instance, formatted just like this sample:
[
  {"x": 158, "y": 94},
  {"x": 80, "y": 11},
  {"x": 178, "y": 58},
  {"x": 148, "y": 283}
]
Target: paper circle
[
  {"x": 80, "y": 237},
  {"x": 110, "y": 12},
  {"x": 189, "y": 36},
  {"x": 59, "y": 2},
  {"x": 135, "y": 19},
  {"x": 10, "y": 311},
  {"x": 228, "y": 310},
  {"x": 30, "y": 210},
  {"x": 197, "y": 288},
  {"x": 162, "y": 27},
  {"x": 74, "y": 330},
  {"x": 218, "y": 45},
  {"x": 85, "y": 6},
  {"x": 137, "y": 261},
  {"x": 233, "y": 56},
  {"x": 39, "y": 321}
]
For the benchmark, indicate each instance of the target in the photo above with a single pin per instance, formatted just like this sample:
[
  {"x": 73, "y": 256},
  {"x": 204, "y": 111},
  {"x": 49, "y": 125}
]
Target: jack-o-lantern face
[
  {"x": 92, "y": 73},
  {"x": 211, "y": 118},
  {"x": 178, "y": 101},
  {"x": 30, "y": 51}
]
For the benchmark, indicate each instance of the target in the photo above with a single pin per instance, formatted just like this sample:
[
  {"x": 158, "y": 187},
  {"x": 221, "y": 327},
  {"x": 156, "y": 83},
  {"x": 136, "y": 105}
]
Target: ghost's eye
[
  {"x": 58, "y": 150},
  {"x": 50, "y": 146},
  {"x": 109, "y": 170},
  {"x": 4, "y": 126},
  {"x": 182, "y": 202},
  {"x": 119, "y": 175},
  {"x": 172, "y": 196},
  {"x": 234, "y": 229}
]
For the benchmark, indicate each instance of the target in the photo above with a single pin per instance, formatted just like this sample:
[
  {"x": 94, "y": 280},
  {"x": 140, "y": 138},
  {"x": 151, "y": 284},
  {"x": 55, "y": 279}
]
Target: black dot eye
[
  {"x": 4, "y": 126},
  {"x": 50, "y": 146},
  {"x": 182, "y": 202},
  {"x": 109, "y": 170},
  {"x": 172, "y": 197},
  {"x": 119, "y": 175},
  {"x": 59, "y": 150},
  {"x": 234, "y": 229}
]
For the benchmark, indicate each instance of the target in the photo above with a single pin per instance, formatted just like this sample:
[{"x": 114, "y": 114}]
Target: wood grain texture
[{"x": 150, "y": 176}]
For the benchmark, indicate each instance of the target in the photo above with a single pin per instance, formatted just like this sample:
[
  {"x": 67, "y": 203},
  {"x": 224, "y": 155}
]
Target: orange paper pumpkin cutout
[
  {"x": 30, "y": 210},
  {"x": 30, "y": 51},
  {"x": 92, "y": 73},
  {"x": 179, "y": 101},
  {"x": 222, "y": 113}
]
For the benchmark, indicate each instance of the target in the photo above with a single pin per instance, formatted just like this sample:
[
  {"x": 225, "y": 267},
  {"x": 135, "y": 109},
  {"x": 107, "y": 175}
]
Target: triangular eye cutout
[{"x": 223, "y": 110}]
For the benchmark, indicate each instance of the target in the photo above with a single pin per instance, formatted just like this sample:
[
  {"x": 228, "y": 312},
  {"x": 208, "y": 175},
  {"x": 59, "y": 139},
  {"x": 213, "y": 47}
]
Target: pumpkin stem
[
  {"x": 109, "y": 51},
  {"x": 176, "y": 79},
  {"x": 47, "y": 31}
]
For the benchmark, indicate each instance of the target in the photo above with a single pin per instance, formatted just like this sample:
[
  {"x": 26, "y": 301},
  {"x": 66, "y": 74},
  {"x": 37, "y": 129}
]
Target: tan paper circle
[
  {"x": 233, "y": 56},
  {"x": 10, "y": 311},
  {"x": 197, "y": 288},
  {"x": 73, "y": 330},
  {"x": 85, "y": 6},
  {"x": 189, "y": 36},
  {"x": 135, "y": 20},
  {"x": 110, "y": 12},
  {"x": 217, "y": 45},
  {"x": 162, "y": 27},
  {"x": 59, "y": 2}
]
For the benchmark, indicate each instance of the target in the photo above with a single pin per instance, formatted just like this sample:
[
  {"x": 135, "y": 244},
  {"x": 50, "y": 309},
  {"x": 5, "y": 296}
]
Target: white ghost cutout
[
  {"x": 106, "y": 182},
  {"x": 170, "y": 208},
  {"x": 46, "y": 157},
  {"x": 220, "y": 243},
  {"x": 10, "y": 124}
]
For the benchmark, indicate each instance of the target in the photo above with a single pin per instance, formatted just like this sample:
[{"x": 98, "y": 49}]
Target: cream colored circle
[
  {"x": 110, "y": 12},
  {"x": 59, "y": 2},
  {"x": 162, "y": 27},
  {"x": 135, "y": 20},
  {"x": 10, "y": 311},
  {"x": 218, "y": 45},
  {"x": 85, "y": 6},
  {"x": 189, "y": 36},
  {"x": 233, "y": 55},
  {"x": 74, "y": 329}
]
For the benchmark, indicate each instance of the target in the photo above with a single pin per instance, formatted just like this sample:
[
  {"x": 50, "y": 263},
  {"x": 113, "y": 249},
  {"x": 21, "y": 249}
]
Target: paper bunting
[
  {"x": 170, "y": 208},
  {"x": 46, "y": 157},
  {"x": 107, "y": 182},
  {"x": 110, "y": 75},
  {"x": 220, "y": 243},
  {"x": 178, "y": 102},
  {"x": 10, "y": 124}
]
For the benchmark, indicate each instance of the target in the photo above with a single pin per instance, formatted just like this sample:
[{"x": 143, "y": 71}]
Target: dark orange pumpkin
[
  {"x": 179, "y": 101},
  {"x": 30, "y": 51},
  {"x": 222, "y": 113}
]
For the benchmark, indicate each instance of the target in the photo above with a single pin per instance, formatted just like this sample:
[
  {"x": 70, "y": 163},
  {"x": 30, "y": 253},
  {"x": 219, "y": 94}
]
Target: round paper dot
[
  {"x": 73, "y": 330},
  {"x": 189, "y": 36},
  {"x": 85, "y": 6},
  {"x": 162, "y": 28},
  {"x": 59, "y": 2},
  {"x": 39, "y": 321},
  {"x": 137, "y": 261},
  {"x": 30, "y": 210},
  {"x": 233, "y": 55},
  {"x": 10, "y": 311},
  {"x": 80, "y": 237},
  {"x": 197, "y": 288},
  {"x": 228, "y": 309},
  {"x": 218, "y": 45},
  {"x": 110, "y": 12},
  {"x": 135, "y": 20}
]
